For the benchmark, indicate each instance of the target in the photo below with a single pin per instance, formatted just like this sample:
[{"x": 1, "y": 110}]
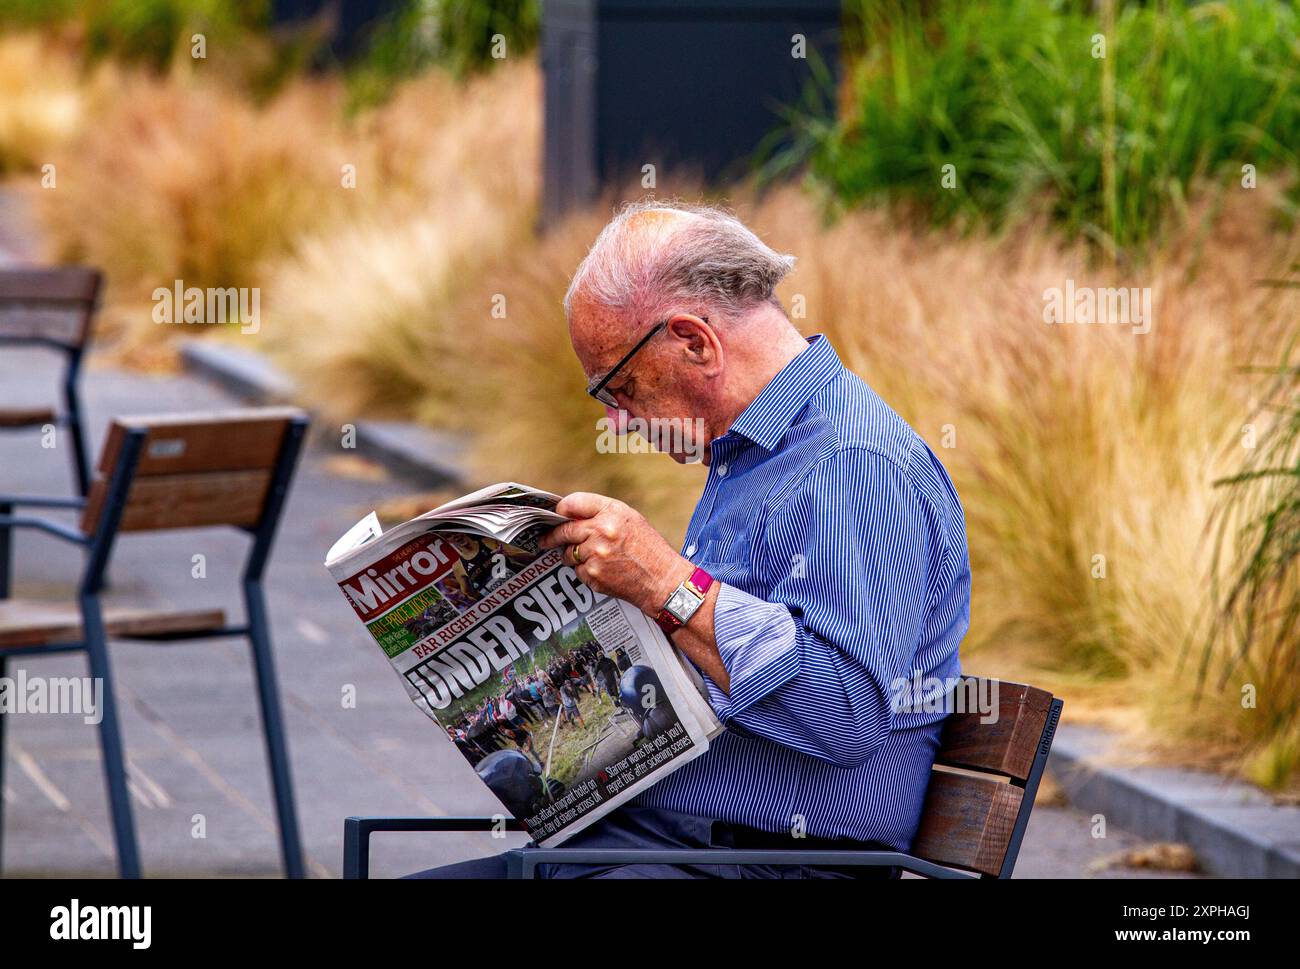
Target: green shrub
[
  {"x": 1256, "y": 576},
  {"x": 36, "y": 13},
  {"x": 149, "y": 31},
  {"x": 466, "y": 30},
  {"x": 457, "y": 35},
  {"x": 142, "y": 31},
  {"x": 1011, "y": 94}
]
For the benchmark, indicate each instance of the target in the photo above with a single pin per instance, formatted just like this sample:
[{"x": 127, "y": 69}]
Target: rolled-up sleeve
[{"x": 848, "y": 554}]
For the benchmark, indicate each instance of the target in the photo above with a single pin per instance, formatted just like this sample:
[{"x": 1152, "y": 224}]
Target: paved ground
[{"x": 190, "y": 717}]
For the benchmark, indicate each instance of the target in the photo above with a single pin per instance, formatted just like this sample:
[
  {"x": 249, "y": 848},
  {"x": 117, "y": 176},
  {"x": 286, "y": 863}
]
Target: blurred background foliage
[
  {"x": 1014, "y": 95},
  {"x": 148, "y": 32},
  {"x": 453, "y": 34},
  {"x": 1070, "y": 442},
  {"x": 406, "y": 39},
  {"x": 1256, "y": 563}
]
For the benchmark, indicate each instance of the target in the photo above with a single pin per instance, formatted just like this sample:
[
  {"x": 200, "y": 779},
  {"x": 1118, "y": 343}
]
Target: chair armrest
[
  {"x": 65, "y": 532},
  {"x": 357, "y": 831},
  {"x": 522, "y": 863},
  {"x": 36, "y": 501}
]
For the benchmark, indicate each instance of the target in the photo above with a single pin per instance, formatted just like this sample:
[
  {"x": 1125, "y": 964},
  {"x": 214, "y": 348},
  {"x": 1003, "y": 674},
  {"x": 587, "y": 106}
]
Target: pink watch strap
[{"x": 698, "y": 583}]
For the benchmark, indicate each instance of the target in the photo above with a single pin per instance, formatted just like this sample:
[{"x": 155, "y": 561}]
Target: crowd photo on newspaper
[{"x": 564, "y": 701}]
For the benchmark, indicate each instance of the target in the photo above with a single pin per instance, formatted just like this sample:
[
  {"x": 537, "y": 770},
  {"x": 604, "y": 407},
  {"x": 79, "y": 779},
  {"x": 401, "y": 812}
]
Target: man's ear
[{"x": 700, "y": 340}]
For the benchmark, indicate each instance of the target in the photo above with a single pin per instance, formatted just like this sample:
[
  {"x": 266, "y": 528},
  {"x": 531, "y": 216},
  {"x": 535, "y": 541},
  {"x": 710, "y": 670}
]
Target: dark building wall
[
  {"x": 688, "y": 85},
  {"x": 352, "y": 18}
]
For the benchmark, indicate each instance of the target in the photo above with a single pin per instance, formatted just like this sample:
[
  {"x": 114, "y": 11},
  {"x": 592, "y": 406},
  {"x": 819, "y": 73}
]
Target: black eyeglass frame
[{"x": 597, "y": 388}]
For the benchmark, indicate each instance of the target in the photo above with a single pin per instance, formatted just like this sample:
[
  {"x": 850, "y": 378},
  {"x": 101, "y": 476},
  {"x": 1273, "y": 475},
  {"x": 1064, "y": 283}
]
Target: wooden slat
[
  {"x": 236, "y": 440},
  {"x": 1004, "y": 746},
  {"x": 54, "y": 303},
  {"x": 195, "y": 469},
  {"x": 194, "y": 500},
  {"x": 73, "y": 284},
  {"x": 25, "y": 416},
  {"x": 24, "y": 622},
  {"x": 967, "y": 821}
]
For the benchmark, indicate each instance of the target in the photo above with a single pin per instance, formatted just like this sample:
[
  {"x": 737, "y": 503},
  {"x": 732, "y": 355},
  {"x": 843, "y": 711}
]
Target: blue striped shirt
[{"x": 841, "y": 548}]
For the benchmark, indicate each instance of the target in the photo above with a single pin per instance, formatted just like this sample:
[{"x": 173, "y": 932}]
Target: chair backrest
[
  {"x": 193, "y": 470},
  {"x": 986, "y": 775},
  {"x": 54, "y": 304}
]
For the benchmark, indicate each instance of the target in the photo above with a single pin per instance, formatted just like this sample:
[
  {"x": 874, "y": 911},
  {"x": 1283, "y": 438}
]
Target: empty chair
[
  {"x": 178, "y": 471},
  {"x": 51, "y": 307}
]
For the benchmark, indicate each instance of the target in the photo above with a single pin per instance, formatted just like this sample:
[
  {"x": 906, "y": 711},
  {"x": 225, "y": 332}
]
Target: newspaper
[{"x": 566, "y": 702}]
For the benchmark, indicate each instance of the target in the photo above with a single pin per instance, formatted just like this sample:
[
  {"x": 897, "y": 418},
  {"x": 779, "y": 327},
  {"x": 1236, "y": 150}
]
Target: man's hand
[{"x": 619, "y": 553}]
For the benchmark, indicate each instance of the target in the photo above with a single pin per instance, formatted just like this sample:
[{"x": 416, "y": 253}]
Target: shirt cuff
[{"x": 758, "y": 645}]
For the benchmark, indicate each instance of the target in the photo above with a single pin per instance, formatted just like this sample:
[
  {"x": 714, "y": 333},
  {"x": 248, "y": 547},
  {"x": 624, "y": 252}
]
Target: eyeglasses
[{"x": 597, "y": 387}]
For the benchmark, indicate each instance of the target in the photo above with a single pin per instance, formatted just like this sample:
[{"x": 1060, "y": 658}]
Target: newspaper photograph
[{"x": 564, "y": 701}]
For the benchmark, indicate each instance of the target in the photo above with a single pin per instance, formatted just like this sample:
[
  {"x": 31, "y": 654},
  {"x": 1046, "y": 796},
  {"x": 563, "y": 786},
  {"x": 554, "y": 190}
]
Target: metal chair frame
[
  {"x": 94, "y": 643},
  {"x": 74, "y": 352},
  {"x": 523, "y": 862}
]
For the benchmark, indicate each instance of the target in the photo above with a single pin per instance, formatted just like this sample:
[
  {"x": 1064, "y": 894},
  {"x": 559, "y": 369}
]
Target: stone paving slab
[{"x": 1234, "y": 828}]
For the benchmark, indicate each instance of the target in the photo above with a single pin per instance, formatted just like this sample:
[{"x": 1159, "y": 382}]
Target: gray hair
[{"x": 708, "y": 261}]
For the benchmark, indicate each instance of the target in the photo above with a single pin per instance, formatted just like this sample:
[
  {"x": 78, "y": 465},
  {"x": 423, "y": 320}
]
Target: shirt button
[
  {"x": 722, "y": 470},
  {"x": 690, "y": 550}
]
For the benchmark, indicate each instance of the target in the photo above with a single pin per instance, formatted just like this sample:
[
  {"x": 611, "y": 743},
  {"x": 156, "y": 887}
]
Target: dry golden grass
[
  {"x": 183, "y": 179},
  {"x": 368, "y": 310},
  {"x": 439, "y": 139},
  {"x": 44, "y": 101}
]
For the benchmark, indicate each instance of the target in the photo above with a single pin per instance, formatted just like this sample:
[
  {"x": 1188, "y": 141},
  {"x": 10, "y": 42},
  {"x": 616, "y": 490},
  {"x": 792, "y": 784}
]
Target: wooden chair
[
  {"x": 51, "y": 307},
  {"x": 976, "y": 808},
  {"x": 185, "y": 471}
]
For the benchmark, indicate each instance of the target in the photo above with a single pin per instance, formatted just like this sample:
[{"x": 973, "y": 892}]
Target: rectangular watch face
[{"x": 682, "y": 604}]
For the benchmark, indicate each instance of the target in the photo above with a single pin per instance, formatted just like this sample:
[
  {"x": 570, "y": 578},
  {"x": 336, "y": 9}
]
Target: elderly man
[{"x": 825, "y": 565}]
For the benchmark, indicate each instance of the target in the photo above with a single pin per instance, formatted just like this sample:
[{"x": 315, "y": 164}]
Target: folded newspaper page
[{"x": 565, "y": 702}]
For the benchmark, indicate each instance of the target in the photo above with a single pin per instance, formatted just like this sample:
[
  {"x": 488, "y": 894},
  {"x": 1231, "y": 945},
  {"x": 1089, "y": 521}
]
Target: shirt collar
[{"x": 771, "y": 413}]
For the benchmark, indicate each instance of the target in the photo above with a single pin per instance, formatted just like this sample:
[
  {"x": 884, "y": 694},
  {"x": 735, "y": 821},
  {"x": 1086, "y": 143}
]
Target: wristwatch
[{"x": 681, "y": 605}]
